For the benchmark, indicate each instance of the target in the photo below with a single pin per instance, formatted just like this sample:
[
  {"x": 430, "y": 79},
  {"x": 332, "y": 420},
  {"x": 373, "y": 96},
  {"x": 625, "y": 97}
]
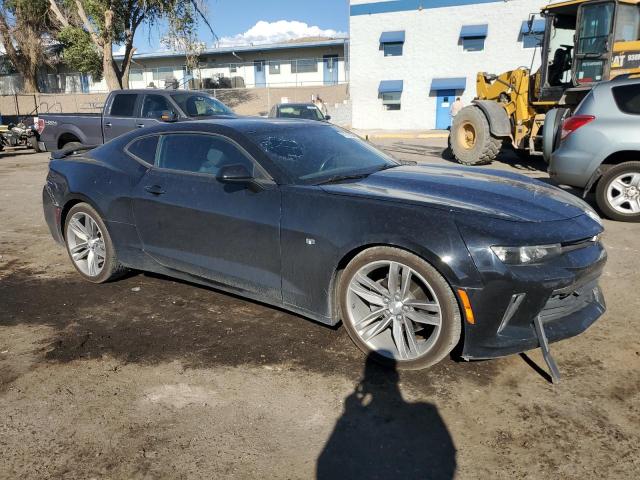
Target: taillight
[
  {"x": 39, "y": 124},
  {"x": 572, "y": 124}
]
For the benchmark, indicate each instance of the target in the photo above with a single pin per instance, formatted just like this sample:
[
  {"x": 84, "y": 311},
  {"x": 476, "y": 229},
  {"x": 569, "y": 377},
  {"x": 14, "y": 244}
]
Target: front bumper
[{"x": 563, "y": 292}]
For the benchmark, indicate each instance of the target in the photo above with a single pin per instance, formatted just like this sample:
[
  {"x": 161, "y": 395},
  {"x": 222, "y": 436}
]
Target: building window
[
  {"x": 135, "y": 76},
  {"x": 532, "y": 33},
  {"x": 531, "y": 40},
  {"x": 472, "y": 37},
  {"x": 391, "y": 100},
  {"x": 392, "y": 49},
  {"x": 274, "y": 68},
  {"x": 233, "y": 68},
  {"x": 473, "y": 44},
  {"x": 391, "y": 43},
  {"x": 163, "y": 73},
  {"x": 304, "y": 65}
]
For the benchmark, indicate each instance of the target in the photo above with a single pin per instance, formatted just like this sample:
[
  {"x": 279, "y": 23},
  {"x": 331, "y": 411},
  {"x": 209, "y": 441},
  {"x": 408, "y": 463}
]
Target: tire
[
  {"x": 431, "y": 342},
  {"x": 625, "y": 176},
  {"x": 107, "y": 265},
  {"x": 471, "y": 139}
]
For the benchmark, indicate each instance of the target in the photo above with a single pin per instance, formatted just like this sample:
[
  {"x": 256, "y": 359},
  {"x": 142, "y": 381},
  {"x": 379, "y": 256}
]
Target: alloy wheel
[
  {"x": 623, "y": 193},
  {"x": 394, "y": 310},
  {"x": 86, "y": 244}
]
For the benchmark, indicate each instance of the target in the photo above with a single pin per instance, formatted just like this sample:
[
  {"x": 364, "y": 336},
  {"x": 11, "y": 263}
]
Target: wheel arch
[
  {"x": 499, "y": 123},
  {"x": 613, "y": 159},
  {"x": 70, "y": 202},
  {"x": 420, "y": 252},
  {"x": 69, "y": 135}
]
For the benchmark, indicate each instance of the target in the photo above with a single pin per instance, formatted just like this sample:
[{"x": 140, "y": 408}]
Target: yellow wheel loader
[{"x": 584, "y": 42}]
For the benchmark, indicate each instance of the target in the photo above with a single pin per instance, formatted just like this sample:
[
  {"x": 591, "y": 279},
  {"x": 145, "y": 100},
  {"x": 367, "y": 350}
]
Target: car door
[
  {"x": 120, "y": 115},
  {"x": 190, "y": 221},
  {"x": 151, "y": 110}
]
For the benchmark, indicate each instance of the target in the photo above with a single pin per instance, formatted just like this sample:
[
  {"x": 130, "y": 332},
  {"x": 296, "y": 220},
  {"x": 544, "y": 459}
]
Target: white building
[
  {"x": 292, "y": 64},
  {"x": 410, "y": 58}
]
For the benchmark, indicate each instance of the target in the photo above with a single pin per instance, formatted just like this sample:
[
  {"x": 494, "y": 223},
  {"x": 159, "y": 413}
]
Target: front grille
[{"x": 562, "y": 304}]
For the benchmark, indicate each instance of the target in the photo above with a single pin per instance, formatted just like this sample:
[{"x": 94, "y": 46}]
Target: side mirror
[
  {"x": 327, "y": 117},
  {"x": 234, "y": 174},
  {"x": 168, "y": 116}
]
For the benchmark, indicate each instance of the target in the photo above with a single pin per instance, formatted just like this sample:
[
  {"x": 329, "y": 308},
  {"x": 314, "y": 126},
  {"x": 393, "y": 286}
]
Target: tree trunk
[
  {"x": 30, "y": 82},
  {"x": 110, "y": 69}
]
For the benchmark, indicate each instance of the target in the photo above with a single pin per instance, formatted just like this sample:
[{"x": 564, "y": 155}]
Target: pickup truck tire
[
  {"x": 89, "y": 245},
  {"x": 618, "y": 192},
  {"x": 471, "y": 140}
]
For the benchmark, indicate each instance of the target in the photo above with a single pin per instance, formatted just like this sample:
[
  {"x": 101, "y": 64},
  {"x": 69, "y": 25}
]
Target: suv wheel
[{"x": 618, "y": 192}]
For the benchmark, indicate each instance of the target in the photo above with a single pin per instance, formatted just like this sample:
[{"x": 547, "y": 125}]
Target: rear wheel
[
  {"x": 618, "y": 192},
  {"x": 398, "y": 308},
  {"x": 89, "y": 245},
  {"x": 471, "y": 140}
]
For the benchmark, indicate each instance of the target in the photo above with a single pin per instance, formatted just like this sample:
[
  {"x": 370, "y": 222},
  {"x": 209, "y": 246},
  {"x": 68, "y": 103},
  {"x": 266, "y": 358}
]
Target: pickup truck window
[
  {"x": 144, "y": 148},
  {"x": 200, "y": 105},
  {"x": 154, "y": 105},
  {"x": 123, "y": 105}
]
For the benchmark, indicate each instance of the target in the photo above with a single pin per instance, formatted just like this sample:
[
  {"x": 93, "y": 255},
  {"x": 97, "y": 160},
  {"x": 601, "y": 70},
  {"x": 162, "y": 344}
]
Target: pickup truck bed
[{"x": 123, "y": 111}]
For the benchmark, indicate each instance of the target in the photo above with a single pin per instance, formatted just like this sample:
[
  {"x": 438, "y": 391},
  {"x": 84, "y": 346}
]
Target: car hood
[{"x": 474, "y": 190}]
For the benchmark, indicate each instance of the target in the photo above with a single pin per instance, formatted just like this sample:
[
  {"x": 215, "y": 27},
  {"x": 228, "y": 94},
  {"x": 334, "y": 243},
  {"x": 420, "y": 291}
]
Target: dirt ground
[{"x": 153, "y": 378}]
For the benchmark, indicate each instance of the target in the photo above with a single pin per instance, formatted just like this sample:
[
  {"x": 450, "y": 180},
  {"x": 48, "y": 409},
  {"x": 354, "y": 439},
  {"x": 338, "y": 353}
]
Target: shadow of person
[{"x": 381, "y": 436}]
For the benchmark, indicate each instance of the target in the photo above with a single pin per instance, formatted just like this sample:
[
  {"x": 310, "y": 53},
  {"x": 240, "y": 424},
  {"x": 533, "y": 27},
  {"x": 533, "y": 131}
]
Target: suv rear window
[
  {"x": 628, "y": 98},
  {"x": 123, "y": 105}
]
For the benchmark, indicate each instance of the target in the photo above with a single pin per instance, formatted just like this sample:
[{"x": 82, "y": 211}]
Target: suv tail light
[
  {"x": 39, "y": 124},
  {"x": 572, "y": 124}
]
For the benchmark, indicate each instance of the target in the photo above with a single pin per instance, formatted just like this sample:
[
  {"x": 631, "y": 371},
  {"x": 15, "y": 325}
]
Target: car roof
[
  {"x": 243, "y": 125},
  {"x": 297, "y": 104},
  {"x": 160, "y": 91}
]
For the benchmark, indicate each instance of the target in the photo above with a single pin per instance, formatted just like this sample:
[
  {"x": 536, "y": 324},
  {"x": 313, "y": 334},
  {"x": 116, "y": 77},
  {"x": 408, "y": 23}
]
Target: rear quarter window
[
  {"x": 627, "y": 98},
  {"x": 144, "y": 149}
]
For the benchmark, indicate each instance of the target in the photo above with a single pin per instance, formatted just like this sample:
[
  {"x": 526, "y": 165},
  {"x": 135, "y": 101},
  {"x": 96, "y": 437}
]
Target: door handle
[
  {"x": 108, "y": 124},
  {"x": 140, "y": 125},
  {"x": 154, "y": 189}
]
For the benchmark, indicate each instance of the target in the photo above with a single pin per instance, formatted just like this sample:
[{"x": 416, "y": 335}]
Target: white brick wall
[{"x": 431, "y": 50}]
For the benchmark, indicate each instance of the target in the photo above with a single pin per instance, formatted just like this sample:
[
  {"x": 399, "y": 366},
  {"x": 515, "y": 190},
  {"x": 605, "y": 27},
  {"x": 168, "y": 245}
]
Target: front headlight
[
  {"x": 594, "y": 216},
  {"x": 526, "y": 255}
]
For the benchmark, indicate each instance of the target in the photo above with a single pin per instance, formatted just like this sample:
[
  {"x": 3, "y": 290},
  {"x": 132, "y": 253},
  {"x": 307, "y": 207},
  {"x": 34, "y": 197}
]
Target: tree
[
  {"x": 106, "y": 22},
  {"x": 24, "y": 30}
]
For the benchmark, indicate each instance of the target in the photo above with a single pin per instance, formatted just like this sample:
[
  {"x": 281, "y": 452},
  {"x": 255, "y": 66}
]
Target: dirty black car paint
[{"x": 285, "y": 242}]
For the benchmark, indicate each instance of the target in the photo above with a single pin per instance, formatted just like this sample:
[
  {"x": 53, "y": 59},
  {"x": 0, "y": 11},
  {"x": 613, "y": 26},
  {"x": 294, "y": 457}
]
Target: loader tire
[{"x": 471, "y": 140}]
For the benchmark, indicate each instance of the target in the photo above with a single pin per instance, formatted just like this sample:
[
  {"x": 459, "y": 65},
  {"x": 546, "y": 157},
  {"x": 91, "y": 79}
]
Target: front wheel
[
  {"x": 618, "y": 192},
  {"x": 398, "y": 308},
  {"x": 89, "y": 245},
  {"x": 471, "y": 140}
]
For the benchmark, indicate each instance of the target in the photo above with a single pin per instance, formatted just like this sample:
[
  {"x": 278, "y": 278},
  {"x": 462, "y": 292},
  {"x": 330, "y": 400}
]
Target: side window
[
  {"x": 145, "y": 149},
  {"x": 628, "y": 98},
  {"x": 123, "y": 105},
  {"x": 199, "y": 153},
  {"x": 154, "y": 105}
]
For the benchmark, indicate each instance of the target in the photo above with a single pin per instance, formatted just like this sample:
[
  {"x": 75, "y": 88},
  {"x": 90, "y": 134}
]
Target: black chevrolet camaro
[{"x": 412, "y": 259}]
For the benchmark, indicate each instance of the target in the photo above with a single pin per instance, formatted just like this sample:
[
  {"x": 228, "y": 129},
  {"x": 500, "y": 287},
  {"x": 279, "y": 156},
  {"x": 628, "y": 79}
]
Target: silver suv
[{"x": 599, "y": 147}]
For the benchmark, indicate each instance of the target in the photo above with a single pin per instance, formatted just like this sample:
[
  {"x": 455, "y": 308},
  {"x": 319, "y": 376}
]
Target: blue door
[
  {"x": 258, "y": 71},
  {"x": 330, "y": 69},
  {"x": 444, "y": 102}
]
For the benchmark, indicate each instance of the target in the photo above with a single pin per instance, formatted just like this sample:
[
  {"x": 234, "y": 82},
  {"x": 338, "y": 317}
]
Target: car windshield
[
  {"x": 309, "y": 112},
  {"x": 314, "y": 155},
  {"x": 199, "y": 105}
]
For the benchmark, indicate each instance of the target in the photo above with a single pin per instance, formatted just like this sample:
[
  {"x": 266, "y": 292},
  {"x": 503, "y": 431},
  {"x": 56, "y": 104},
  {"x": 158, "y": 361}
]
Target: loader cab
[{"x": 581, "y": 44}]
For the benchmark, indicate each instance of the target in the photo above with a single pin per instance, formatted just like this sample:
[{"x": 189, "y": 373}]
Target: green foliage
[{"x": 79, "y": 52}]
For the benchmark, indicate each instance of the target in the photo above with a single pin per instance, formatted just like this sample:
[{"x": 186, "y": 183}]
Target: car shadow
[{"x": 382, "y": 436}]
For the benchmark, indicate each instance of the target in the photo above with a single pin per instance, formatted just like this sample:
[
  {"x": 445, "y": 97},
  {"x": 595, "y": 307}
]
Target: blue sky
[{"x": 231, "y": 18}]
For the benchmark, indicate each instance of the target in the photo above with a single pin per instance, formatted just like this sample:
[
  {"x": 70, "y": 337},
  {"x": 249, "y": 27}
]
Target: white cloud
[{"x": 275, "y": 32}]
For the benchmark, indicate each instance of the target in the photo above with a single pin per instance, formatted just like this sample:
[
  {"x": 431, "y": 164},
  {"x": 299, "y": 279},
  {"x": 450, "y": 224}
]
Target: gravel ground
[{"x": 153, "y": 378}]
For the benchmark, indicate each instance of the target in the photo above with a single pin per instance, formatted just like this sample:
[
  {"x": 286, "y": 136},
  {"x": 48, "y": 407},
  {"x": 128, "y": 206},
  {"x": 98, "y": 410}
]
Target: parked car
[
  {"x": 598, "y": 147},
  {"x": 126, "y": 110},
  {"x": 304, "y": 111},
  {"x": 309, "y": 217}
]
